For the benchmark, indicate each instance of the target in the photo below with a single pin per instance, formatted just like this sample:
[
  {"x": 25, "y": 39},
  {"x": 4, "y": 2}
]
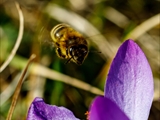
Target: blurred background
[{"x": 104, "y": 23}]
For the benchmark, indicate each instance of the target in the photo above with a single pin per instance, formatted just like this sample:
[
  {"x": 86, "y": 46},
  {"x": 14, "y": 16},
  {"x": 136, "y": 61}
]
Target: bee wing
[{"x": 44, "y": 38}]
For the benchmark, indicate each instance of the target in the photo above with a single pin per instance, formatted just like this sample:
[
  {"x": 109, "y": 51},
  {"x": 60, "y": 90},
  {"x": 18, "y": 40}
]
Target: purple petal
[
  {"x": 39, "y": 110},
  {"x": 104, "y": 109},
  {"x": 130, "y": 81}
]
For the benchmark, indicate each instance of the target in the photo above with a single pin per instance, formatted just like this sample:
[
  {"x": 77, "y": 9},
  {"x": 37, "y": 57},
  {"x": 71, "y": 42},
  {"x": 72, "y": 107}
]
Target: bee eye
[
  {"x": 78, "y": 53},
  {"x": 71, "y": 51}
]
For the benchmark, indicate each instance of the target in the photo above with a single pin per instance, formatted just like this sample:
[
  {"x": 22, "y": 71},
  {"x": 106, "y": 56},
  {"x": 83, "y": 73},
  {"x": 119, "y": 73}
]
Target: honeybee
[{"x": 69, "y": 43}]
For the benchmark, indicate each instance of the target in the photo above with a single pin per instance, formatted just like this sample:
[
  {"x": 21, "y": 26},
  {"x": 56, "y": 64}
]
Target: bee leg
[
  {"x": 68, "y": 60},
  {"x": 59, "y": 53}
]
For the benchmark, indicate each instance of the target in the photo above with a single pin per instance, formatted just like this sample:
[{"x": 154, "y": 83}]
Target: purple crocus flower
[
  {"x": 129, "y": 84},
  {"x": 128, "y": 91},
  {"x": 39, "y": 110}
]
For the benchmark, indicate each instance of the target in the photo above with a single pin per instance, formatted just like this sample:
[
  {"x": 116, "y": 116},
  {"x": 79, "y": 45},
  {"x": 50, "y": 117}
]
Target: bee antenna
[
  {"x": 68, "y": 60},
  {"x": 94, "y": 52}
]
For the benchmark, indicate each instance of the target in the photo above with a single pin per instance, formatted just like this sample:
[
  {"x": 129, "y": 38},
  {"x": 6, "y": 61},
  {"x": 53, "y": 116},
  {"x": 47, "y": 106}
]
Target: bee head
[{"x": 78, "y": 53}]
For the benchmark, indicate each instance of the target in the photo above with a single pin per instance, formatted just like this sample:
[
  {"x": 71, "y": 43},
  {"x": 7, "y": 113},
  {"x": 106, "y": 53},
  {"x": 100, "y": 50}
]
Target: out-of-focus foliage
[{"x": 113, "y": 19}]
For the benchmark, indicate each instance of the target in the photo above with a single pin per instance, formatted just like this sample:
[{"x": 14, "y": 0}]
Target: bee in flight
[{"x": 69, "y": 43}]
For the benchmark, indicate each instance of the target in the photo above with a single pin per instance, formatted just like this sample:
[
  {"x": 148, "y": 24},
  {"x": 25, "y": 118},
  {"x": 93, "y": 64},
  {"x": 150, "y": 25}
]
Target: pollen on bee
[{"x": 87, "y": 115}]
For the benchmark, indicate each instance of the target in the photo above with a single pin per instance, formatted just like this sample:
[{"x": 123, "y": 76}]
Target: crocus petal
[
  {"x": 39, "y": 110},
  {"x": 130, "y": 81},
  {"x": 104, "y": 109}
]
